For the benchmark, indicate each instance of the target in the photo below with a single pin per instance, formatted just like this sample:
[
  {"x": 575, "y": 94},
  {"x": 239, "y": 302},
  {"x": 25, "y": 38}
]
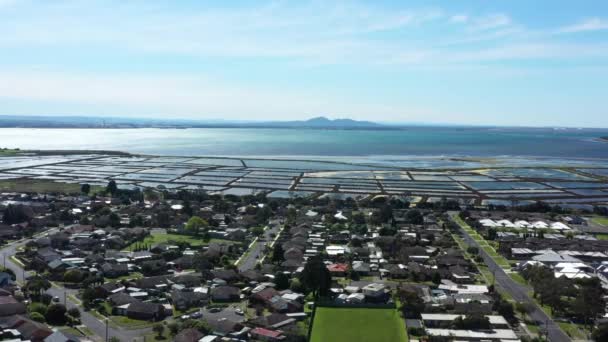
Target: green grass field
[
  {"x": 358, "y": 325},
  {"x": 602, "y": 236},
  {"x": 41, "y": 186},
  {"x": 600, "y": 220},
  {"x": 175, "y": 238}
]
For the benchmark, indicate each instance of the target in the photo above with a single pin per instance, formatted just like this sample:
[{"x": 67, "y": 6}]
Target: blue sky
[{"x": 524, "y": 63}]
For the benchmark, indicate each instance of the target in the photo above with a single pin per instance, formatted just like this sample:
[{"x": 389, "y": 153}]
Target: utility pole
[
  {"x": 65, "y": 303},
  {"x": 107, "y": 337}
]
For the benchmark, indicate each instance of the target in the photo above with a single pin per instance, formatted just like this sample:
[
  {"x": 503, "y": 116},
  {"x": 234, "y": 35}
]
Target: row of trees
[{"x": 581, "y": 299}]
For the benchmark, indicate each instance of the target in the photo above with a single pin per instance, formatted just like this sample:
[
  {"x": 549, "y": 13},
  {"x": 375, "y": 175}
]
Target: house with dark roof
[
  {"x": 145, "y": 311},
  {"x": 28, "y": 329},
  {"x": 59, "y": 336},
  {"x": 120, "y": 298},
  {"x": 10, "y": 306},
  {"x": 114, "y": 270},
  {"x": 183, "y": 300},
  {"x": 273, "y": 321},
  {"x": 225, "y": 294},
  {"x": 188, "y": 335}
]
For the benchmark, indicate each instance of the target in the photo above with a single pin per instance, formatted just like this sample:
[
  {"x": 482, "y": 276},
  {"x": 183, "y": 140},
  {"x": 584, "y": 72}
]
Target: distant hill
[
  {"x": 115, "y": 122},
  {"x": 321, "y": 122}
]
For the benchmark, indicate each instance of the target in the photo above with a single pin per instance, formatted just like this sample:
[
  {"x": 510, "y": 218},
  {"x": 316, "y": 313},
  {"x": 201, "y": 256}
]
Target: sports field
[{"x": 357, "y": 325}]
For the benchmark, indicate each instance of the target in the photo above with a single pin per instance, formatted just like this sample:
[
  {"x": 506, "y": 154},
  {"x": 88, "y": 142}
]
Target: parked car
[
  {"x": 239, "y": 311},
  {"x": 196, "y": 315}
]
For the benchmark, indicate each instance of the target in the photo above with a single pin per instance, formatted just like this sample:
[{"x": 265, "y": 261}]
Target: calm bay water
[{"x": 415, "y": 141}]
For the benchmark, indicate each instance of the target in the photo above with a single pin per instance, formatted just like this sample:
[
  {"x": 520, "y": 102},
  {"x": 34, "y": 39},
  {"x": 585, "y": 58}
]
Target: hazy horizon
[{"x": 422, "y": 63}]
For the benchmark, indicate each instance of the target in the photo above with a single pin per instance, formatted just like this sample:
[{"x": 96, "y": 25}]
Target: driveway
[{"x": 517, "y": 291}]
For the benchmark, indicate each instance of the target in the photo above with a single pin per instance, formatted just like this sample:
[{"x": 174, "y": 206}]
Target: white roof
[
  {"x": 340, "y": 216},
  {"x": 496, "y": 334},
  {"x": 559, "y": 226},
  {"x": 494, "y": 319},
  {"x": 464, "y": 288}
]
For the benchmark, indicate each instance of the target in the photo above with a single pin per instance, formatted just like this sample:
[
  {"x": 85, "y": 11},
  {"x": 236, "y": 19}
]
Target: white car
[{"x": 239, "y": 311}]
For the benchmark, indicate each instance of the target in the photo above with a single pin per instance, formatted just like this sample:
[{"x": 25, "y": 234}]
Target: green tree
[
  {"x": 112, "y": 188},
  {"x": 72, "y": 276},
  {"x": 257, "y": 231},
  {"x": 114, "y": 220},
  {"x": 601, "y": 333},
  {"x": 316, "y": 277},
  {"x": 85, "y": 188},
  {"x": 55, "y": 314},
  {"x": 195, "y": 224},
  {"x": 411, "y": 304},
  {"x": 472, "y": 321},
  {"x": 74, "y": 312},
  {"x": 114, "y": 339},
  {"x": 281, "y": 280},
  {"x": 36, "y": 285},
  {"x": 173, "y": 328},
  {"x": 159, "y": 329},
  {"x": 589, "y": 303},
  {"x": 358, "y": 218},
  {"x": 524, "y": 308},
  {"x": 414, "y": 216},
  {"x": 278, "y": 254}
]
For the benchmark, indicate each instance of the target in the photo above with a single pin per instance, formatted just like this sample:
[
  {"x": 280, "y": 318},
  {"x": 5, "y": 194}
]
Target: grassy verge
[
  {"x": 247, "y": 252},
  {"x": 572, "y": 330},
  {"x": 16, "y": 261},
  {"x": 499, "y": 259},
  {"x": 518, "y": 278}
]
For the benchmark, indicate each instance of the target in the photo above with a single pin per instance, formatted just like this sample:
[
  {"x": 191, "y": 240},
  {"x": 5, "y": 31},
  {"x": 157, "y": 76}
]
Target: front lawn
[{"x": 358, "y": 325}]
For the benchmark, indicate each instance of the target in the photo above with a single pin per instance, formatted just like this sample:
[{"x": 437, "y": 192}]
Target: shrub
[
  {"x": 37, "y": 308},
  {"x": 55, "y": 314},
  {"x": 37, "y": 317}
]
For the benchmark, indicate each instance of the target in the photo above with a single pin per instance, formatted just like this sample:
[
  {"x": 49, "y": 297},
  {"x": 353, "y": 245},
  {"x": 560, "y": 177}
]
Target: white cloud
[
  {"x": 490, "y": 22},
  {"x": 591, "y": 24},
  {"x": 459, "y": 18},
  {"x": 179, "y": 96}
]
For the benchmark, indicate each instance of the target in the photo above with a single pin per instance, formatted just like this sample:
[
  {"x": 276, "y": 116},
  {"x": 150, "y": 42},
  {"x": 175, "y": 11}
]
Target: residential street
[
  {"x": 257, "y": 251},
  {"x": 517, "y": 291},
  {"x": 92, "y": 322}
]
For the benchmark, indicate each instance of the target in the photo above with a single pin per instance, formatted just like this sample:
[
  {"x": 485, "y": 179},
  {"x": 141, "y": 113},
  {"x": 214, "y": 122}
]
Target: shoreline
[{"x": 372, "y": 162}]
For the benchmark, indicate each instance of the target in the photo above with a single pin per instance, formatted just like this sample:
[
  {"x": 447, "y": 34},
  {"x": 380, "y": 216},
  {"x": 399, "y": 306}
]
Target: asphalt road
[
  {"x": 87, "y": 319},
  {"x": 518, "y": 292},
  {"x": 257, "y": 250}
]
